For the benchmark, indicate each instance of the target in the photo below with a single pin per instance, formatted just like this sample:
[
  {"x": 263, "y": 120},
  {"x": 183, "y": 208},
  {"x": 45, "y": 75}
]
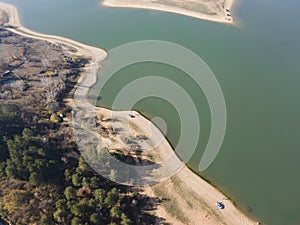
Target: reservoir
[{"x": 257, "y": 65}]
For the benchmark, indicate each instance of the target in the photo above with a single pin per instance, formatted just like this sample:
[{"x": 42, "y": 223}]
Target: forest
[{"x": 43, "y": 178}]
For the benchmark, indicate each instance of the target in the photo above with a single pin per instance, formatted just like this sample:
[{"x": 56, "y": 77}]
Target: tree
[
  {"x": 70, "y": 193},
  {"x": 115, "y": 212},
  {"x": 84, "y": 166},
  {"x": 59, "y": 215},
  {"x": 11, "y": 122},
  {"x": 85, "y": 182},
  {"x": 35, "y": 178},
  {"x": 76, "y": 221},
  {"x": 68, "y": 175},
  {"x": 10, "y": 169},
  {"x": 45, "y": 220},
  {"x": 76, "y": 180},
  {"x": 125, "y": 220},
  {"x": 96, "y": 218},
  {"x": 99, "y": 195},
  {"x": 112, "y": 197},
  {"x": 61, "y": 204},
  {"x": 95, "y": 182},
  {"x": 76, "y": 209},
  {"x": 27, "y": 135},
  {"x": 24, "y": 158},
  {"x": 81, "y": 209},
  {"x": 2, "y": 168},
  {"x": 92, "y": 203}
]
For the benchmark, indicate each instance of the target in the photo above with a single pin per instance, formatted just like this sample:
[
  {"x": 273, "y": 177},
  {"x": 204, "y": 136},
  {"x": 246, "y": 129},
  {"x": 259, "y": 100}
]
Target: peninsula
[{"x": 213, "y": 10}]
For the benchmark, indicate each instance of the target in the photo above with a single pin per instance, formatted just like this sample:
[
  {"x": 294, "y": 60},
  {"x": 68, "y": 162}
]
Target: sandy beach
[
  {"x": 182, "y": 186},
  {"x": 217, "y": 11}
]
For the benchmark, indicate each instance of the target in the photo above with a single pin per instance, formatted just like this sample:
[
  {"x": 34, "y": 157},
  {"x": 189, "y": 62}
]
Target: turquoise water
[{"x": 257, "y": 66}]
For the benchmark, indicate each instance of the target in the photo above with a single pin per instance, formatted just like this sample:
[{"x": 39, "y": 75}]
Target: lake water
[{"x": 257, "y": 66}]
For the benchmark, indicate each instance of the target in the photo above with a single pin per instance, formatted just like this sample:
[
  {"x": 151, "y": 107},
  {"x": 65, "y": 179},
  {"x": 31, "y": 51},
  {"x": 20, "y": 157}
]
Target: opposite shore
[
  {"x": 219, "y": 11},
  {"x": 192, "y": 184}
]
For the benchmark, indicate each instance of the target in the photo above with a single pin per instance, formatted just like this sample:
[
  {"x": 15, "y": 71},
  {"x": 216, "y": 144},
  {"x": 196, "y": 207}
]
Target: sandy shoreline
[
  {"x": 96, "y": 54},
  {"x": 189, "y": 181},
  {"x": 217, "y": 14}
]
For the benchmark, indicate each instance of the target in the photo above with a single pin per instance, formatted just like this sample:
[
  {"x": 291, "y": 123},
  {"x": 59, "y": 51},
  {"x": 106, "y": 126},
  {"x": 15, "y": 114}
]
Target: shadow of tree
[{"x": 146, "y": 207}]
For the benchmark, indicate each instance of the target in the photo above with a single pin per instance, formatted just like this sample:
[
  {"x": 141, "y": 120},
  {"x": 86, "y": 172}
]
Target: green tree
[
  {"x": 96, "y": 218},
  {"x": 70, "y": 193},
  {"x": 27, "y": 135},
  {"x": 76, "y": 181},
  {"x": 81, "y": 209},
  {"x": 68, "y": 175},
  {"x": 85, "y": 181},
  {"x": 99, "y": 195},
  {"x": 59, "y": 215},
  {"x": 35, "y": 178},
  {"x": 45, "y": 220},
  {"x": 10, "y": 169},
  {"x": 115, "y": 212},
  {"x": 95, "y": 182},
  {"x": 84, "y": 166},
  {"x": 11, "y": 123},
  {"x": 112, "y": 197},
  {"x": 76, "y": 221},
  {"x": 76, "y": 209},
  {"x": 125, "y": 220},
  {"x": 92, "y": 203},
  {"x": 2, "y": 168},
  {"x": 61, "y": 204}
]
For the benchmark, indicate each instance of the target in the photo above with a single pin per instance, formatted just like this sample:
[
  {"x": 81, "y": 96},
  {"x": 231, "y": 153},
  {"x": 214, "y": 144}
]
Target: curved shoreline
[
  {"x": 96, "y": 54},
  {"x": 220, "y": 16},
  {"x": 197, "y": 185}
]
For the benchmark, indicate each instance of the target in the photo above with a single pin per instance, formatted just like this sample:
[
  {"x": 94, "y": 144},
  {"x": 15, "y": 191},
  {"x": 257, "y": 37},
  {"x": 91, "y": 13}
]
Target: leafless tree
[
  {"x": 53, "y": 87},
  {"x": 18, "y": 85}
]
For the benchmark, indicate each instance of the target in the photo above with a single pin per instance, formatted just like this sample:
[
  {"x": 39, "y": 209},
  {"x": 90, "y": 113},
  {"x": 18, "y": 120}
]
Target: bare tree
[
  {"x": 18, "y": 85},
  {"x": 53, "y": 87}
]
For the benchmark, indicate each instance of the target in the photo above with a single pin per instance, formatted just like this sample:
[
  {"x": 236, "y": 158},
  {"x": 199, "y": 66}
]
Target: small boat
[{"x": 220, "y": 205}]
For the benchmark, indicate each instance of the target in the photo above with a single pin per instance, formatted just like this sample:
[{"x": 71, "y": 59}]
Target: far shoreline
[{"x": 220, "y": 17}]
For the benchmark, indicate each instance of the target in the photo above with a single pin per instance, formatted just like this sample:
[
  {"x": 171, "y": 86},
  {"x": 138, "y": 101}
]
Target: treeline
[
  {"x": 45, "y": 185},
  {"x": 24, "y": 156},
  {"x": 89, "y": 197}
]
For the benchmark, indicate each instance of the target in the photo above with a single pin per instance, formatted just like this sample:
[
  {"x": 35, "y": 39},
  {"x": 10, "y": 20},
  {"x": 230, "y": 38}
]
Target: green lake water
[{"x": 257, "y": 66}]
